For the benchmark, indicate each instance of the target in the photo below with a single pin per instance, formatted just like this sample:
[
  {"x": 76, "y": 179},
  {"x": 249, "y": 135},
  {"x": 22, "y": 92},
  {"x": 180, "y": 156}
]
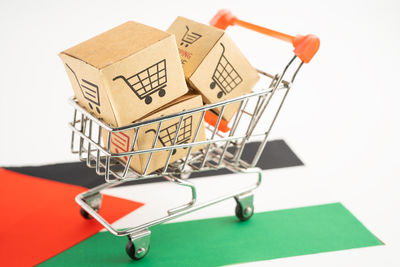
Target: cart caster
[
  {"x": 212, "y": 85},
  {"x": 139, "y": 245},
  {"x": 161, "y": 93},
  {"x": 94, "y": 202},
  {"x": 220, "y": 94},
  {"x": 148, "y": 100},
  {"x": 85, "y": 214},
  {"x": 244, "y": 207}
]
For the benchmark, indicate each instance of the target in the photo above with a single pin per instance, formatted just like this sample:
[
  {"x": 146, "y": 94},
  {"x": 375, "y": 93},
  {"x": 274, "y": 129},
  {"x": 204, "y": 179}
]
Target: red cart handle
[
  {"x": 305, "y": 47},
  {"x": 212, "y": 119}
]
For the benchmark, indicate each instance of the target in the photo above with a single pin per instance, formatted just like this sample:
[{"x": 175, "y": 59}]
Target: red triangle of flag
[{"x": 41, "y": 219}]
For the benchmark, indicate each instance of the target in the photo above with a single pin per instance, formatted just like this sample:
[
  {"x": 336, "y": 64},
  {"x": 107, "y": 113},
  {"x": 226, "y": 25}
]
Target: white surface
[{"x": 341, "y": 117}]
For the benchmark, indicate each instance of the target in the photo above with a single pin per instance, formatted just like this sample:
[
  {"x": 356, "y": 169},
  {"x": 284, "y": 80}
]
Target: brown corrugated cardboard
[
  {"x": 125, "y": 73},
  {"x": 212, "y": 63},
  {"x": 122, "y": 141}
]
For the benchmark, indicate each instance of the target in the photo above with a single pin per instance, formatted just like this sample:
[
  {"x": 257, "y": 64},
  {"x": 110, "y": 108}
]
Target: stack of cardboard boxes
[{"x": 134, "y": 72}]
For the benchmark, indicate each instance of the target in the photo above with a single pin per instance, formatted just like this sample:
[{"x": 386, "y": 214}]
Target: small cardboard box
[
  {"x": 212, "y": 63},
  {"x": 122, "y": 141},
  {"x": 125, "y": 73}
]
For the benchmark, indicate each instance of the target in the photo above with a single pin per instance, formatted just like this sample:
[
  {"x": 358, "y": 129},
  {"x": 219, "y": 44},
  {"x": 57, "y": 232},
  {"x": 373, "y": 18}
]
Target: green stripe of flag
[{"x": 222, "y": 241}]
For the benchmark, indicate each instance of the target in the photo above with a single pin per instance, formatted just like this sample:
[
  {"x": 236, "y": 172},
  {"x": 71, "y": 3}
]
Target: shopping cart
[
  {"x": 147, "y": 82},
  {"x": 89, "y": 90},
  {"x": 167, "y": 135},
  {"x": 189, "y": 37},
  {"x": 219, "y": 150},
  {"x": 225, "y": 76}
]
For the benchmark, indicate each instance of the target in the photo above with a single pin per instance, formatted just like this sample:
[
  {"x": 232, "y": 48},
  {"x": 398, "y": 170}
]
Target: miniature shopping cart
[
  {"x": 89, "y": 90},
  {"x": 167, "y": 135},
  {"x": 189, "y": 37},
  {"x": 147, "y": 82},
  {"x": 223, "y": 147},
  {"x": 225, "y": 76}
]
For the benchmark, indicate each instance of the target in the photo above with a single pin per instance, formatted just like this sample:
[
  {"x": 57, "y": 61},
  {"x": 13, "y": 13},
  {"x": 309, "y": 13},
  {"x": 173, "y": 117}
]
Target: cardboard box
[
  {"x": 212, "y": 63},
  {"x": 125, "y": 73},
  {"x": 122, "y": 141}
]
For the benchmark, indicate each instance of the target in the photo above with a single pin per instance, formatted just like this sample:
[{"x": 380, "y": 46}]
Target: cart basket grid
[{"x": 167, "y": 135}]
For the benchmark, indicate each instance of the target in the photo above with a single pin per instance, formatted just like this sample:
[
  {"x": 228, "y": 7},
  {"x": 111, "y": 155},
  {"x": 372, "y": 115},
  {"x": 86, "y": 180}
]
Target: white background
[{"x": 341, "y": 117}]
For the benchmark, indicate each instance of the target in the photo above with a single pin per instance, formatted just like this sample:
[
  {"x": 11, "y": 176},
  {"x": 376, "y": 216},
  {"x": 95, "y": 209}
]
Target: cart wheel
[
  {"x": 94, "y": 201},
  {"x": 85, "y": 214},
  {"x": 91, "y": 107},
  {"x": 161, "y": 93},
  {"x": 220, "y": 94},
  {"x": 148, "y": 100},
  {"x": 133, "y": 253},
  {"x": 98, "y": 110},
  {"x": 243, "y": 214},
  {"x": 212, "y": 85},
  {"x": 174, "y": 152}
]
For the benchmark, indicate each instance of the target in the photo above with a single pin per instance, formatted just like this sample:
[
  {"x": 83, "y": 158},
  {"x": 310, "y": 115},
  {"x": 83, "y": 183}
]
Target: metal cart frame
[
  {"x": 169, "y": 132},
  {"x": 220, "y": 150}
]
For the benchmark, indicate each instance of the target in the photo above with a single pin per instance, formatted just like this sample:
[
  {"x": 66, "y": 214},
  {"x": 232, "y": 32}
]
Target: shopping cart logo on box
[
  {"x": 120, "y": 141},
  {"x": 189, "y": 37},
  {"x": 147, "y": 82},
  {"x": 168, "y": 134},
  {"x": 225, "y": 76},
  {"x": 89, "y": 90}
]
